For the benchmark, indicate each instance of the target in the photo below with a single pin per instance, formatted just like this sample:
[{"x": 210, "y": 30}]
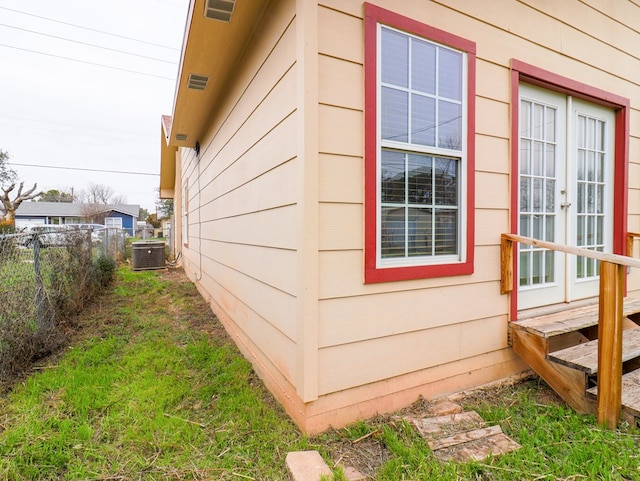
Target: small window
[
  {"x": 419, "y": 150},
  {"x": 113, "y": 222}
]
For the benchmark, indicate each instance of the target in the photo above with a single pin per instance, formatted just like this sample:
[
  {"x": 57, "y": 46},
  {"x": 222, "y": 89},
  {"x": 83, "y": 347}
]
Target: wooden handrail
[
  {"x": 631, "y": 236},
  {"x": 612, "y": 276}
]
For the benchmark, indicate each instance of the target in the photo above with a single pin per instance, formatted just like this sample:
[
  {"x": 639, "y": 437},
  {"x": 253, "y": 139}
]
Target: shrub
[{"x": 105, "y": 270}]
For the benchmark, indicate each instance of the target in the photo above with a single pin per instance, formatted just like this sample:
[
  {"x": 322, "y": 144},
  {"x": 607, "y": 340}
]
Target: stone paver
[{"x": 307, "y": 466}]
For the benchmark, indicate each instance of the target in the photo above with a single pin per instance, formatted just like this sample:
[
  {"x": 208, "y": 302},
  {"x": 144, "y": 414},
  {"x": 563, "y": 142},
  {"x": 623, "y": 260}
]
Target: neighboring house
[
  {"x": 342, "y": 172},
  {"x": 123, "y": 216}
]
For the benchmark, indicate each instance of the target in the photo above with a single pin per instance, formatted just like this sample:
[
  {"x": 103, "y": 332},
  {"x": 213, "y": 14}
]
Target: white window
[
  {"x": 113, "y": 222},
  {"x": 422, "y": 125}
]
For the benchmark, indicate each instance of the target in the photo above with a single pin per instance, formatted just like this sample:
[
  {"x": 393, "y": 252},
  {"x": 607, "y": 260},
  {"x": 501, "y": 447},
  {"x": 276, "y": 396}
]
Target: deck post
[
  {"x": 609, "y": 402},
  {"x": 506, "y": 264}
]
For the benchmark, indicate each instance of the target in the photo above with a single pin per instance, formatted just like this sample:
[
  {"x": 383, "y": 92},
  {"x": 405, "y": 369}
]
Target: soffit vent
[
  {"x": 197, "y": 82},
  {"x": 181, "y": 137},
  {"x": 219, "y": 9}
]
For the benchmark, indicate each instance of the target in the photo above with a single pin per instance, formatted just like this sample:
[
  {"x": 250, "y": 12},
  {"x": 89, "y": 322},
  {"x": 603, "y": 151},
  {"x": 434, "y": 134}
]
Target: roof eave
[
  {"x": 211, "y": 48},
  {"x": 167, "y": 161}
]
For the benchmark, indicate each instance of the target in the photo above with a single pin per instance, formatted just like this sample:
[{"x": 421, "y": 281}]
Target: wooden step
[
  {"x": 569, "y": 321},
  {"x": 630, "y": 393},
  {"x": 584, "y": 357}
]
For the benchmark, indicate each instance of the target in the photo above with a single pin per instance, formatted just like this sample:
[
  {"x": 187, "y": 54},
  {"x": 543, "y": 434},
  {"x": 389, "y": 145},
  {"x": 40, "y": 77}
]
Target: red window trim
[
  {"x": 373, "y": 16},
  {"x": 524, "y": 72}
]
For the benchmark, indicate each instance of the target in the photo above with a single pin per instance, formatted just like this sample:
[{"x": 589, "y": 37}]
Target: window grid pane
[
  {"x": 419, "y": 208},
  {"x": 591, "y": 187},
  {"x": 538, "y": 184}
]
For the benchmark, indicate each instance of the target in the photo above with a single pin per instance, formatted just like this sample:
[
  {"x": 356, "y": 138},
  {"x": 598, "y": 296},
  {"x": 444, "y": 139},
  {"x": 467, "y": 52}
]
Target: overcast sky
[{"x": 100, "y": 110}]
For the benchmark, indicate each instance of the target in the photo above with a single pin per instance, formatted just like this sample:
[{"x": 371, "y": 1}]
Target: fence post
[
  {"x": 609, "y": 402},
  {"x": 39, "y": 300}
]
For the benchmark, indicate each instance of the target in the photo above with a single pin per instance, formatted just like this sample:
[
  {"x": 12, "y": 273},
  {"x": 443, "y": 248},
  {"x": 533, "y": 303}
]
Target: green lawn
[{"x": 151, "y": 388}]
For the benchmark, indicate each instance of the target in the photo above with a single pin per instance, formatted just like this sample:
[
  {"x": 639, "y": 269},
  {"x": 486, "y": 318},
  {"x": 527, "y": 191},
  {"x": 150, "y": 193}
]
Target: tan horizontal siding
[
  {"x": 341, "y": 178},
  {"x": 272, "y": 150},
  {"x": 249, "y": 260},
  {"x": 337, "y": 33},
  {"x": 277, "y": 106},
  {"x": 340, "y": 83},
  {"x": 382, "y": 358},
  {"x": 253, "y": 287},
  {"x": 271, "y": 228},
  {"x": 263, "y": 192},
  {"x": 271, "y": 342},
  {"x": 336, "y": 129},
  {"x": 390, "y": 314},
  {"x": 242, "y": 203},
  {"x": 342, "y": 272}
]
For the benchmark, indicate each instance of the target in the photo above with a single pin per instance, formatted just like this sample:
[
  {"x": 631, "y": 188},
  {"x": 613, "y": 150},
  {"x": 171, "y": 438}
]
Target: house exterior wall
[
  {"x": 241, "y": 240},
  {"x": 276, "y": 202}
]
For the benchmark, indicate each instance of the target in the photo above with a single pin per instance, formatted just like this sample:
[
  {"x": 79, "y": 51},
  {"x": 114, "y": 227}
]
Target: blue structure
[{"x": 124, "y": 216}]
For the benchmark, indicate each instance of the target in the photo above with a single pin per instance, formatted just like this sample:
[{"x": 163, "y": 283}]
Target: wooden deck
[{"x": 562, "y": 348}]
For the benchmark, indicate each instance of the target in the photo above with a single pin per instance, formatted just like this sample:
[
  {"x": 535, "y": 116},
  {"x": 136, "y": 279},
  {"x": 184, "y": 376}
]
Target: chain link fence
[{"x": 47, "y": 274}]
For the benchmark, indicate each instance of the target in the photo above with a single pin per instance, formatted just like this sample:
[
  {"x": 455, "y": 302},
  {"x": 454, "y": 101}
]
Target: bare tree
[
  {"x": 10, "y": 206},
  {"x": 7, "y": 174},
  {"x": 100, "y": 194},
  {"x": 94, "y": 213}
]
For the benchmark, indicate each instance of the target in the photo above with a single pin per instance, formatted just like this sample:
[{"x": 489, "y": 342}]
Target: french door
[{"x": 566, "y": 168}]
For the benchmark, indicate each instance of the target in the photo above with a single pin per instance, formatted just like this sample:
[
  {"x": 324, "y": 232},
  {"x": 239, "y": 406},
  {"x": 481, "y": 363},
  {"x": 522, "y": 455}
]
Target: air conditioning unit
[{"x": 148, "y": 255}]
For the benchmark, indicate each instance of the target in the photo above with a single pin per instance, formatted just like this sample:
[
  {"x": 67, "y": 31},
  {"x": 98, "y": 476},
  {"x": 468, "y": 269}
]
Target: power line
[
  {"x": 89, "y": 44},
  {"x": 75, "y": 126},
  {"x": 90, "y": 29},
  {"x": 86, "y": 62},
  {"x": 84, "y": 169}
]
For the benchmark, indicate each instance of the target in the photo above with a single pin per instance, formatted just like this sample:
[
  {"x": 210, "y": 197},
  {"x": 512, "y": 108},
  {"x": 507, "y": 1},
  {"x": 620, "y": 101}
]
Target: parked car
[{"x": 48, "y": 235}]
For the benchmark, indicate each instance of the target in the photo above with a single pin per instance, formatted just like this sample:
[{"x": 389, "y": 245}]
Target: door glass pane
[
  {"x": 581, "y": 143},
  {"x": 525, "y": 194},
  {"x": 537, "y": 269},
  {"x": 580, "y": 235},
  {"x": 549, "y": 257},
  {"x": 525, "y": 268},
  {"x": 525, "y": 156},
  {"x": 550, "y": 124},
  {"x": 550, "y": 161},
  {"x": 591, "y": 166},
  {"x": 525, "y": 119},
  {"x": 581, "y": 164},
  {"x": 538, "y": 121},
  {"x": 538, "y": 150},
  {"x": 525, "y": 228},
  {"x": 537, "y": 195},
  {"x": 550, "y": 195},
  {"x": 537, "y": 226},
  {"x": 550, "y": 230}
]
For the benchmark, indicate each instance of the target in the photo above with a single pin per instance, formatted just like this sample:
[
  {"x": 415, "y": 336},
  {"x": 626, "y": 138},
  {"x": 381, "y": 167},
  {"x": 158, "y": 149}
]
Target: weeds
[{"x": 153, "y": 389}]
